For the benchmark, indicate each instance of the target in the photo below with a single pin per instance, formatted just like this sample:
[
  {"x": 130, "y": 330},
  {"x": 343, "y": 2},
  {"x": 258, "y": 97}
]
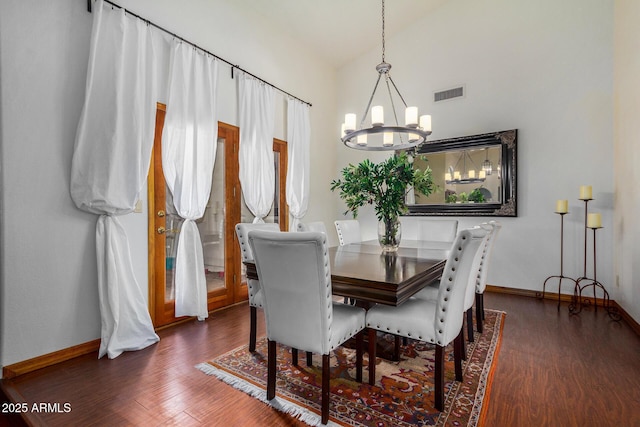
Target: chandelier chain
[{"x": 383, "y": 31}]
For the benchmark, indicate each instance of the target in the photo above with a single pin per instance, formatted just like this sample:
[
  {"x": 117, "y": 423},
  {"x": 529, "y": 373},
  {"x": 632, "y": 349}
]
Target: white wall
[
  {"x": 48, "y": 279},
  {"x": 627, "y": 153},
  {"x": 544, "y": 68}
]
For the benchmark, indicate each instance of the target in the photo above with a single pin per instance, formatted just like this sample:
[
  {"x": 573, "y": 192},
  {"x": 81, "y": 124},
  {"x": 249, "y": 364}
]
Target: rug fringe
[{"x": 282, "y": 405}]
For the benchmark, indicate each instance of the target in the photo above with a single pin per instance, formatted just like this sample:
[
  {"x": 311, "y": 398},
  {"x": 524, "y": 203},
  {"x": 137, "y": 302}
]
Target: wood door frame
[{"x": 162, "y": 312}]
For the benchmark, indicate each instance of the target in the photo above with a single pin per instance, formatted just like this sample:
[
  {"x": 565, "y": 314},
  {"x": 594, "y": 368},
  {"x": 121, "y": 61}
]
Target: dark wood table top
[{"x": 363, "y": 272}]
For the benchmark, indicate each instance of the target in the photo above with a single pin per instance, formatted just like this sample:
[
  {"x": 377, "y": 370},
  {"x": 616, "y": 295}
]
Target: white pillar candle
[
  {"x": 585, "y": 192},
  {"x": 447, "y": 176},
  {"x": 456, "y": 175},
  {"x": 594, "y": 220},
  {"x": 362, "y": 139},
  {"x": 342, "y": 131},
  {"x": 425, "y": 123},
  {"x": 482, "y": 174},
  {"x": 349, "y": 122},
  {"x": 377, "y": 115},
  {"x": 562, "y": 206},
  {"x": 413, "y": 137},
  {"x": 472, "y": 174},
  {"x": 387, "y": 139},
  {"x": 411, "y": 117}
]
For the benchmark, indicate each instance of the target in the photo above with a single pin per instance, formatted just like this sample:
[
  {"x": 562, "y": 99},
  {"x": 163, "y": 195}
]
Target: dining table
[{"x": 362, "y": 272}]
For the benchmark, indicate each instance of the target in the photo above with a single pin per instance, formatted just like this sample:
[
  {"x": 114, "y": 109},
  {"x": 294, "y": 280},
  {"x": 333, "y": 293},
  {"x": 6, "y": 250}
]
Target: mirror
[{"x": 474, "y": 175}]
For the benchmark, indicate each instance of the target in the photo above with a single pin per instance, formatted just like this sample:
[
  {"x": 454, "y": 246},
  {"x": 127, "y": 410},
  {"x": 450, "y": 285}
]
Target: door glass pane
[
  {"x": 212, "y": 226},
  {"x": 172, "y": 231},
  {"x": 273, "y": 216}
]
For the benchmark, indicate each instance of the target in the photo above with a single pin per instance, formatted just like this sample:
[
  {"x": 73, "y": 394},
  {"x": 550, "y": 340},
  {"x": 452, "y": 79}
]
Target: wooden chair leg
[
  {"x": 359, "y": 351},
  {"x": 439, "y": 378},
  {"x": 325, "y": 388},
  {"x": 253, "y": 314},
  {"x": 396, "y": 348},
  {"x": 271, "y": 370},
  {"x": 479, "y": 313},
  {"x": 309, "y": 358},
  {"x": 372, "y": 356},
  {"x": 470, "y": 324},
  {"x": 294, "y": 356},
  {"x": 457, "y": 355},
  {"x": 463, "y": 348}
]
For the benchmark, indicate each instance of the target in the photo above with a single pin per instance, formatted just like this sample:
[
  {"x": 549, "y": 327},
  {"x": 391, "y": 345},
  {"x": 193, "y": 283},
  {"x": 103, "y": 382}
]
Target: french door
[{"x": 226, "y": 281}]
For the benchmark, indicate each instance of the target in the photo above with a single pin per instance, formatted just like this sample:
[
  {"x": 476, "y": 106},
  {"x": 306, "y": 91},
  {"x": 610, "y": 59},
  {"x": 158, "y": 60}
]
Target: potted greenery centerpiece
[{"x": 383, "y": 185}]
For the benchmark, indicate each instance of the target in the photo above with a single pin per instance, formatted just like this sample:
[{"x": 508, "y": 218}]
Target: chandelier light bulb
[
  {"x": 349, "y": 122},
  {"x": 362, "y": 139},
  {"x": 425, "y": 123},
  {"x": 411, "y": 117},
  {"x": 377, "y": 116},
  {"x": 387, "y": 139}
]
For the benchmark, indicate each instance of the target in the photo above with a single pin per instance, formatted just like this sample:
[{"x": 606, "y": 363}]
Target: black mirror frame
[{"x": 508, "y": 140}]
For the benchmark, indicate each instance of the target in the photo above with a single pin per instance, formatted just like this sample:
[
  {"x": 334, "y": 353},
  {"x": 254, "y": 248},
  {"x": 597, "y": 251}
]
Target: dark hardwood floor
[{"x": 553, "y": 370}]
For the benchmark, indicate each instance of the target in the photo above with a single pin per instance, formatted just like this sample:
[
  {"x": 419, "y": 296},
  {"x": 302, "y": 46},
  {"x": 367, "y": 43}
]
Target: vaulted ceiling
[{"x": 338, "y": 30}]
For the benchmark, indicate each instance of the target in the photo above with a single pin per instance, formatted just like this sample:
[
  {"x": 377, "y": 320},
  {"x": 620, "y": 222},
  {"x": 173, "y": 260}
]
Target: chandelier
[
  {"x": 487, "y": 166},
  {"x": 467, "y": 176},
  {"x": 379, "y": 136}
]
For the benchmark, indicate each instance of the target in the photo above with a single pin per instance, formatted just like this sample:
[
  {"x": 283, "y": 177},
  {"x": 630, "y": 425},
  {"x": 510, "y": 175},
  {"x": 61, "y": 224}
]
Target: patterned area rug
[{"x": 402, "y": 396}]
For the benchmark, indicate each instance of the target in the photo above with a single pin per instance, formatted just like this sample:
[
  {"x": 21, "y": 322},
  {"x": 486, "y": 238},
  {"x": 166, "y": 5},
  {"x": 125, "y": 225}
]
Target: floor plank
[{"x": 553, "y": 369}]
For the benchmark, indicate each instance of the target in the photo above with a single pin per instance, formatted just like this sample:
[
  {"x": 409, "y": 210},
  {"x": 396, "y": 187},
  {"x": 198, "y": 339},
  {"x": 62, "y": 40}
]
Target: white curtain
[
  {"x": 257, "y": 120},
  {"x": 189, "y": 142},
  {"x": 110, "y": 166},
  {"x": 298, "y": 145}
]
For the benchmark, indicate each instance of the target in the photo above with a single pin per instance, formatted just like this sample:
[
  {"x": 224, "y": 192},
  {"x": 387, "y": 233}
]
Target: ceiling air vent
[{"x": 448, "y": 94}]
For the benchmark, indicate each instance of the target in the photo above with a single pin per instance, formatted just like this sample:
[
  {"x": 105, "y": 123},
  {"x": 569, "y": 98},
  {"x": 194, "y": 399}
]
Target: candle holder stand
[
  {"x": 578, "y": 300},
  {"x": 586, "y": 210},
  {"x": 560, "y": 277}
]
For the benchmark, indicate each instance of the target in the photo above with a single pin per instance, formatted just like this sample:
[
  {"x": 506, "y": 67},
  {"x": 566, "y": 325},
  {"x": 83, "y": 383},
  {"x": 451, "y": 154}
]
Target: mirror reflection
[
  {"x": 464, "y": 176},
  {"x": 474, "y": 175}
]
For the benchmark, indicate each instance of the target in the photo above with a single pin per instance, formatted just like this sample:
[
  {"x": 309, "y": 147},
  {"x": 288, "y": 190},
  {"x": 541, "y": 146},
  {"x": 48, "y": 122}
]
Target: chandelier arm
[
  {"x": 398, "y": 92},
  {"x": 393, "y": 106},
  {"x": 366, "y": 111},
  {"x": 387, "y": 77}
]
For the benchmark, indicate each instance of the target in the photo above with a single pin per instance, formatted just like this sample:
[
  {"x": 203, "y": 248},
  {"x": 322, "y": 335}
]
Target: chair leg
[
  {"x": 325, "y": 388},
  {"x": 396, "y": 348},
  {"x": 372, "y": 356},
  {"x": 294, "y": 356},
  {"x": 271, "y": 370},
  {"x": 457, "y": 355},
  {"x": 253, "y": 314},
  {"x": 464, "y": 348},
  {"x": 470, "y": 324},
  {"x": 359, "y": 351},
  {"x": 479, "y": 312},
  {"x": 309, "y": 358},
  {"x": 438, "y": 378}
]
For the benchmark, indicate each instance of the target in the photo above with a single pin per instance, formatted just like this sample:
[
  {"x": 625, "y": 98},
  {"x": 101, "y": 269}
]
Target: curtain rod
[{"x": 198, "y": 47}]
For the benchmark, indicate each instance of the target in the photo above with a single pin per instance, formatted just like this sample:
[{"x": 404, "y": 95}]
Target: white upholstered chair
[
  {"x": 312, "y": 226},
  {"x": 437, "y": 230},
  {"x": 431, "y": 292},
  {"x": 295, "y": 276},
  {"x": 438, "y": 322},
  {"x": 493, "y": 227},
  {"x": 348, "y": 231},
  {"x": 255, "y": 293}
]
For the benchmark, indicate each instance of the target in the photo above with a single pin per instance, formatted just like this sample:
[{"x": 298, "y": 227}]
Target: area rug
[{"x": 403, "y": 391}]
